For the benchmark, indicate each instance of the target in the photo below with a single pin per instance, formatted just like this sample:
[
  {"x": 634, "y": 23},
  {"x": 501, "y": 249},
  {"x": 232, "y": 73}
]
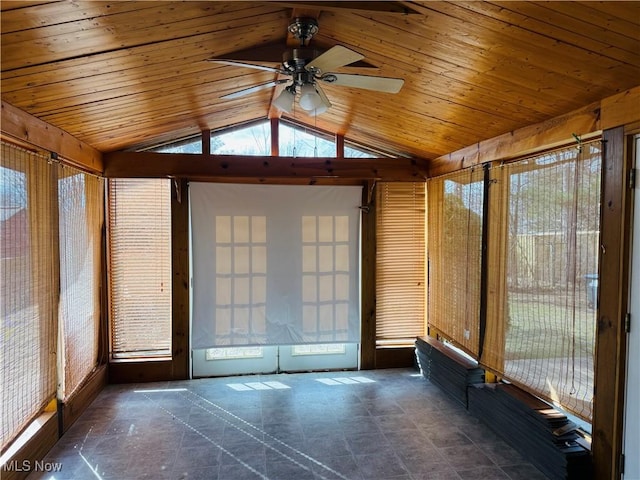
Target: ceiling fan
[{"x": 308, "y": 68}]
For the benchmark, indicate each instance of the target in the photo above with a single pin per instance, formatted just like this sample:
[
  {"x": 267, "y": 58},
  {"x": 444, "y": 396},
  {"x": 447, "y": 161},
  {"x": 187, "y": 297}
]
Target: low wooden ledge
[
  {"x": 34, "y": 450},
  {"x": 449, "y": 352},
  {"x": 202, "y": 166}
]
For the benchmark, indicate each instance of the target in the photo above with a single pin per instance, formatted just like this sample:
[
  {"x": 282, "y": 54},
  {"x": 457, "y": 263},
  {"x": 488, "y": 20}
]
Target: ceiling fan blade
[
  {"x": 333, "y": 58},
  {"x": 368, "y": 82},
  {"x": 237, "y": 63},
  {"x": 255, "y": 88}
]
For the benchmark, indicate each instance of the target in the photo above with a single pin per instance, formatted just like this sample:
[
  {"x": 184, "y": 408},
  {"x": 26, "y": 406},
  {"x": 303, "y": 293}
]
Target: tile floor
[{"x": 372, "y": 425}]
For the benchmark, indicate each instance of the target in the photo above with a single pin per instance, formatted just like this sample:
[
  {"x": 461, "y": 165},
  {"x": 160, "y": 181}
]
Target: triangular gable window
[
  {"x": 303, "y": 142},
  {"x": 255, "y": 139},
  {"x": 190, "y": 145}
]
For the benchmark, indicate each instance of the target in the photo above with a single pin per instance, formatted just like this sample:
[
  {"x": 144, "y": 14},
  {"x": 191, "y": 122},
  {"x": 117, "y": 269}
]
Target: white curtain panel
[{"x": 274, "y": 265}]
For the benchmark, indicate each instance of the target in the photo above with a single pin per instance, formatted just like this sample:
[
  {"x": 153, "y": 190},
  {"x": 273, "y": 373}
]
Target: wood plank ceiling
[{"x": 124, "y": 74}]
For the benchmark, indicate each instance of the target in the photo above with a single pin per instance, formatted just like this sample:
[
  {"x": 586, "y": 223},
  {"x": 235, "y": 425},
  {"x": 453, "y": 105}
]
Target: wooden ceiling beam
[
  {"x": 26, "y": 128},
  {"x": 200, "y": 166}
]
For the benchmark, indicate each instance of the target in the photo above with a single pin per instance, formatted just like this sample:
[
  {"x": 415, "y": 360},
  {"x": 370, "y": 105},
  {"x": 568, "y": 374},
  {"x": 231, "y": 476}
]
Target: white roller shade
[{"x": 274, "y": 264}]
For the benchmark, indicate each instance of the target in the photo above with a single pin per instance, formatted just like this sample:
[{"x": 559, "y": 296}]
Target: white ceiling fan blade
[
  {"x": 255, "y": 88},
  {"x": 368, "y": 82},
  {"x": 237, "y": 63},
  {"x": 333, "y": 58}
]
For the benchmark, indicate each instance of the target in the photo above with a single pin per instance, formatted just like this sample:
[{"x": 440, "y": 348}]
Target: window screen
[
  {"x": 140, "y": 267},
  {"x": 29, "y": 276},
  {"x": 400, "y": 265}
]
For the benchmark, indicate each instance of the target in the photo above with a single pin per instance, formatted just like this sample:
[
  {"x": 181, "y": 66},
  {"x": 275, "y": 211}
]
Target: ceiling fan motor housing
[{"x": 294, "y": 60}]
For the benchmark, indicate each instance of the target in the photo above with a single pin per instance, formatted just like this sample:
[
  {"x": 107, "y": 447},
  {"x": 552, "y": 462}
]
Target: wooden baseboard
[
  {"x": 70, "y": 410},
  {"x": 396, "y": 357},
  {"x": 147, "y": 371}
]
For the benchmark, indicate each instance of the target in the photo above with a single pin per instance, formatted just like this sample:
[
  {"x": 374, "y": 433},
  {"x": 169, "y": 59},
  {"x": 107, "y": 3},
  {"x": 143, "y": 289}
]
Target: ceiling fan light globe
[
  {"x": 284, "y": 101},
  {"x": 319, "y": 111},
  {"x": 309, "y": 98}
]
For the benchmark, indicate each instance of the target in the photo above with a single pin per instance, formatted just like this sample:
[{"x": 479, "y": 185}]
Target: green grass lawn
[{"x": 548, "y": 326}]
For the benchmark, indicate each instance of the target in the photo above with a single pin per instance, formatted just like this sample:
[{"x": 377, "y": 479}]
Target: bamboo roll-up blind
[
  {"x": 400, "y": 266},
  {"x": 81, "y": 206},
  {"x": 547, "y": 296},
  {"x": 455, "y": 204},
  {"x": 29, "y": 288}
]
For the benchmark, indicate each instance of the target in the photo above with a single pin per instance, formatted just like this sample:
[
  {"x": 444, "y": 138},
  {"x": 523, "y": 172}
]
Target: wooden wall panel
[
  {"x": 395, "y": 357},
  {"x": 134, "y": 372}
]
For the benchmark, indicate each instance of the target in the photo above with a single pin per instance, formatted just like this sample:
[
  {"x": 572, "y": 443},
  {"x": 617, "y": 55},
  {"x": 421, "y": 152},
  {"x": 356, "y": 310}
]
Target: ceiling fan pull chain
[
  {"x": 315, "y": 136},
  {"x": 294, "y": 135}
]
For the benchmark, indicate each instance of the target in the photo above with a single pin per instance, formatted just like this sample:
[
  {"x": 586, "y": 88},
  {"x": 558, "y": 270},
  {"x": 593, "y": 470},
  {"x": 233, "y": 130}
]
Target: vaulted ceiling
[{"x": 125, "y": 74}]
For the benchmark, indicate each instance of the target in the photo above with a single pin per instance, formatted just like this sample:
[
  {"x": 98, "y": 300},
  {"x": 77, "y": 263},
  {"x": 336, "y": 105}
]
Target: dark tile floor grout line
[
  {"x": 296, "y": 451},
  {"x": 213, "y": 442}
]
